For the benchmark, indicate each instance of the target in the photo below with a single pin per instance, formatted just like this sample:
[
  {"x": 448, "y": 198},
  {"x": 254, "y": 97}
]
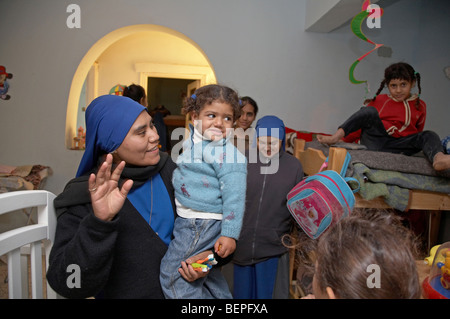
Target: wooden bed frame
[{"x": 431, "y": 202}]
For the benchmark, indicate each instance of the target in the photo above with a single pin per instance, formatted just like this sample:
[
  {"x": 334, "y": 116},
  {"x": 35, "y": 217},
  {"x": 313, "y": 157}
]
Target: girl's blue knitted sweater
[{"x": 212, "y": 177}]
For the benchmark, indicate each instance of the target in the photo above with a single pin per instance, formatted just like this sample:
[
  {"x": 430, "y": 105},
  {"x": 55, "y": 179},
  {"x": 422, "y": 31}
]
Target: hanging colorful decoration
[
  {"x": 117, "y": 90},
  {"x": 356, "y": 28}
]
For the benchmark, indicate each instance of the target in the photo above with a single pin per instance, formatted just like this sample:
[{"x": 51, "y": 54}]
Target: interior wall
[
  {"x": 262, "y": 52},
  {"x": 117, "y": 63}
]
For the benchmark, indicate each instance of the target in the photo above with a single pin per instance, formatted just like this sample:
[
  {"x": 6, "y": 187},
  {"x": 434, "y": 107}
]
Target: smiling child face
[
  {"x": 400, "y": 89},
  {"x": 213, "y": 120}
]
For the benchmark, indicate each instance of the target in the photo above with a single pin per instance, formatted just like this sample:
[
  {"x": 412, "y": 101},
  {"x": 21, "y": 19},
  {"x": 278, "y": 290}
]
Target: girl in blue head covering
[
  {"x": 271, "y": 126},
  {"x": 115, "y": 220},
  {"x": 261, "y": 261}
]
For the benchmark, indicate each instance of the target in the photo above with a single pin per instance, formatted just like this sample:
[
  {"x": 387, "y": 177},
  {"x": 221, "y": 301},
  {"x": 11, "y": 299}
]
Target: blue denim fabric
[{"x": 192, "y": 236}]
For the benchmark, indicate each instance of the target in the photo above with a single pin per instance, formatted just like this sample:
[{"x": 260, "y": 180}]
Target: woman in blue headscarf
[
  {"x": 261, "y": 261},
  {"x": 115, "y": 219}
]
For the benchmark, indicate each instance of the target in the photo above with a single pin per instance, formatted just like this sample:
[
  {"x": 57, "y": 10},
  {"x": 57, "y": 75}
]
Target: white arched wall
[{"x": 204, "y": 74}]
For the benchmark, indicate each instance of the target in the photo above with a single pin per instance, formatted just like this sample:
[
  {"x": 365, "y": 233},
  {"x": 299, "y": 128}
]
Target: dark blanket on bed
[
  {"x": 416, "y": 164},
  {"x": 390, "y": 175}
]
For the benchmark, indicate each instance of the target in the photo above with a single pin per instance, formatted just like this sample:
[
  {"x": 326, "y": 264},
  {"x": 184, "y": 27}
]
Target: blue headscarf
[
  {"x": 266, "y": 125},
  {"x": 108, "y": 120}
]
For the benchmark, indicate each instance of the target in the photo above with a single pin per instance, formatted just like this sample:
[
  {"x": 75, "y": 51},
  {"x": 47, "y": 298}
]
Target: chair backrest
[
  {"x": 28, "y": 238},
  {"x": 313, "y": 159}
]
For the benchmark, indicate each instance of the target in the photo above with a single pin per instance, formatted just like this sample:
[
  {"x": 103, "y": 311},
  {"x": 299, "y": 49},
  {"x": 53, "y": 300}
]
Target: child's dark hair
[
  {"x": 345, "y": 253},
  {"x": 248, "y": 100},
  {"x": 210, "y": 93},
  {"x": 401, "y": 71},
  {"x": 134, "y": 92},
  {"x": 341, "y": 256}
]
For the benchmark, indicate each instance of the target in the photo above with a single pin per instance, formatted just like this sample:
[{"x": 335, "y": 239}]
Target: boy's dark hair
[
  {"x": 210, "y": 93},
  {"x": 401, "y": 71}
]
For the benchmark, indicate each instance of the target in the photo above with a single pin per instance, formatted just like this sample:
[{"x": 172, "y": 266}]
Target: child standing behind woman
[
  {"x": 261, "y": 261},
  {"x": 210, "y": 185},
  {"x": 244, "y": 133},
  {"x": 394, "y": 123}
]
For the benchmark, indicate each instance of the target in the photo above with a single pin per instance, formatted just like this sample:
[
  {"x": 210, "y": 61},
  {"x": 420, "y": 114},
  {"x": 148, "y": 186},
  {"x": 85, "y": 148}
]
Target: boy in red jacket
[{"x": 394, "y": 123}]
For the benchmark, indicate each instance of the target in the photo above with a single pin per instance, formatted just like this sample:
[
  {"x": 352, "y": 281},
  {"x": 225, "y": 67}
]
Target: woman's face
[
  {"x": 247, "y": 117},
  {"x": 141, "y": 145}
]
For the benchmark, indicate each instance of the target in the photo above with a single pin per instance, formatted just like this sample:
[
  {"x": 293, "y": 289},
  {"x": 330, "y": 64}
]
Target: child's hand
[{"x": 225, "y": 246}]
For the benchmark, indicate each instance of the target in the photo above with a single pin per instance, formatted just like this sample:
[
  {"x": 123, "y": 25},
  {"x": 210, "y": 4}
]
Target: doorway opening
[
  {"x": 166, "y": 97},
  {"x": 130, "y": 55}
]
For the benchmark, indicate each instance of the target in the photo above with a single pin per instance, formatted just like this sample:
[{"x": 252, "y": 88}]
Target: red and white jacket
[{"x": 400, "y": 119}]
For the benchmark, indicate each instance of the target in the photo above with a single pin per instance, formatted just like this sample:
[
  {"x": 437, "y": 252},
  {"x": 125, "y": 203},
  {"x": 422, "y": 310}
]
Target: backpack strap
[
  {"x": 352, "y": 180},
  {"x": 343, "y": 171}
]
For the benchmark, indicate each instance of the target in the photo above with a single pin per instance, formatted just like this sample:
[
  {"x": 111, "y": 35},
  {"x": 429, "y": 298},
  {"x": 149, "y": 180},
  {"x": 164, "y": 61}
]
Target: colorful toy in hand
[{"x": 204, "y": 265}]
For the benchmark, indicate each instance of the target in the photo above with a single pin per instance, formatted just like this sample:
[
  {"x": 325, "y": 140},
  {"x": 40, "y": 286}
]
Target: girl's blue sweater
[{"x": 212, "y": 177}]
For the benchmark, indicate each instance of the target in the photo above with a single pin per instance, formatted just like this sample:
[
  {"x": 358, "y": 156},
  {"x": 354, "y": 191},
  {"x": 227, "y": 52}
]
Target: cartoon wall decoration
[
  {"x": 117, "y": 90},
  {"x": 4, "y": 85}
]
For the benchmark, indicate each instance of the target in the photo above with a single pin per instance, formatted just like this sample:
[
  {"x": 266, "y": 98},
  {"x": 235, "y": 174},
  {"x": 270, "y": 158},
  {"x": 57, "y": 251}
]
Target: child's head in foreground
[{"x": 367, "y": 255}]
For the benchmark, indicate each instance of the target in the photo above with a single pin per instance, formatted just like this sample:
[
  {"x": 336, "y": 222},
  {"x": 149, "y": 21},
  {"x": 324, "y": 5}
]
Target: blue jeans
[{"x": 192, "y": 236}]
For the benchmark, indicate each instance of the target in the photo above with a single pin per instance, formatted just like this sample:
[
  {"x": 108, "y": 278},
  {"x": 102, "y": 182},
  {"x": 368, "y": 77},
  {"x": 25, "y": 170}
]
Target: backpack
[{"x": 322, "y": 199}]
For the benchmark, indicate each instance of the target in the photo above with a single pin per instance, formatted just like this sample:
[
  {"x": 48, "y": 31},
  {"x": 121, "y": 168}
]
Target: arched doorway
[{"x": 132, "y": 54}]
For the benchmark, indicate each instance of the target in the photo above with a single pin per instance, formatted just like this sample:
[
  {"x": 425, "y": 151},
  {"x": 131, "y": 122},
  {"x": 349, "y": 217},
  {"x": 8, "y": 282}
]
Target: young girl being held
[
  {"x": 210, "y": 186},
  {"x": 394, "y": 123}
]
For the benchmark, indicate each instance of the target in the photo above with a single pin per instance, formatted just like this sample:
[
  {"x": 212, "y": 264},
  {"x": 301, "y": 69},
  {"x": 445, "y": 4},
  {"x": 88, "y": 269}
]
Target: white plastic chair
[{"x": 30, "y": 239}]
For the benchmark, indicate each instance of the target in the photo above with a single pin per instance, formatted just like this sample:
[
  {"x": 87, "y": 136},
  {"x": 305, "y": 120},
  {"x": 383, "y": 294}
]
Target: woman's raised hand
[{"x": 107, "y": 199}]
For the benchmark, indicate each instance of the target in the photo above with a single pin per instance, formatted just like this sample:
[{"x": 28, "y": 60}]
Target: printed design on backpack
[{"x": 320, "y": 201}]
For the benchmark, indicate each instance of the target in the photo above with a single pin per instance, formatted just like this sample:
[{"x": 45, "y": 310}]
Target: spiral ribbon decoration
[{"x": 356, "y": 28}]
